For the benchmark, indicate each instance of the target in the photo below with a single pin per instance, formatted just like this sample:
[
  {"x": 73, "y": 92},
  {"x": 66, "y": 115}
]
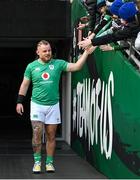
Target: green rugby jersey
[{"x": 45, "y": 80}]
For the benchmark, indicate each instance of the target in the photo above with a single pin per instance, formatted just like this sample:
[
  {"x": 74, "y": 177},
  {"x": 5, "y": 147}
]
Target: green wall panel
[{"x": 124, "y": 161}]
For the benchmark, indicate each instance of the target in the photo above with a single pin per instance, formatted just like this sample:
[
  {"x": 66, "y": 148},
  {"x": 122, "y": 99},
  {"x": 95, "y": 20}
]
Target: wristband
[{"x": 20, "y": 98}]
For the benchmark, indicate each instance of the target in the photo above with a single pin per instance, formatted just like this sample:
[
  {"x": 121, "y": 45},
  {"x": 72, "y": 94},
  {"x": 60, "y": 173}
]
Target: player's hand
[
  {"x": 20, "y": 109},
  {"x": 90, "y": 49}
]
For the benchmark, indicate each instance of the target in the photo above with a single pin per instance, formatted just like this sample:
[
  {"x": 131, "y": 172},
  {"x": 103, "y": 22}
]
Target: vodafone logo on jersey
[{"x": 45, "y": 76}]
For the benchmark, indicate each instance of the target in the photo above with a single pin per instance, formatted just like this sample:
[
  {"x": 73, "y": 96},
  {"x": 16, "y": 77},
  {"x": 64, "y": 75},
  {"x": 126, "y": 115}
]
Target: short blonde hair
[{"x": 42, "y": 42}]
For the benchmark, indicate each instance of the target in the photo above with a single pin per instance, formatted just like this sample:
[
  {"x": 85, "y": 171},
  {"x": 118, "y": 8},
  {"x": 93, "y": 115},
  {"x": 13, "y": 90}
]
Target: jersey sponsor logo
[
  {"x": 45, "y": 76},
  {"x": 51, "y": 67}
]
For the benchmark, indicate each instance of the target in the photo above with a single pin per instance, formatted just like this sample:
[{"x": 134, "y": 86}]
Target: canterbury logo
[{"x": 37, "y": 69}]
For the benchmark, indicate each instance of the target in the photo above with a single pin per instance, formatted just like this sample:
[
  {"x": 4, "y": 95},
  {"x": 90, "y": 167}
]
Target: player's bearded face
[{"x": 44, "y": 52}]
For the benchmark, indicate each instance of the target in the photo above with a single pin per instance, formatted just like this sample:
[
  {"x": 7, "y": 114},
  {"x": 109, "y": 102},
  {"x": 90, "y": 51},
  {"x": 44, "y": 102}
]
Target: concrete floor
[{"x": 16, "y": 162}]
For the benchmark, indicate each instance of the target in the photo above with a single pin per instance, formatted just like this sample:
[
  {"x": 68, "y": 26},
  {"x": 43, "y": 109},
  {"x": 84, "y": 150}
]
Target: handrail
[{"x": 131, "y": 55}]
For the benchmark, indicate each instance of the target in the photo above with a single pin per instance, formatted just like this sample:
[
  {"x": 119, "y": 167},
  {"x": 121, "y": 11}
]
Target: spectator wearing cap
[
  {"x": 100, "y": 4},
  {"x": 114, "y": 8},
  {"x": 127, "y": 12},
  {"x": 93, "y": 7},
  {"x": 106, "y": 13},
  {"x": 104, "y": 19},
  {"x": 128, "y": 29},
  {"x": 128, "y": 16}
]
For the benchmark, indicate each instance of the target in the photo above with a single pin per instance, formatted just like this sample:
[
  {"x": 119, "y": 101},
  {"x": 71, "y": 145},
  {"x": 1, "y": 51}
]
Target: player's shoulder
[
  {"x": 57, "y": 60},
  {"x": 33, "y": 63}
]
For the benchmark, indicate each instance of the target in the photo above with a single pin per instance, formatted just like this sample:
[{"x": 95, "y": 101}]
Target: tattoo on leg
[{"x": 37, "y": 128}]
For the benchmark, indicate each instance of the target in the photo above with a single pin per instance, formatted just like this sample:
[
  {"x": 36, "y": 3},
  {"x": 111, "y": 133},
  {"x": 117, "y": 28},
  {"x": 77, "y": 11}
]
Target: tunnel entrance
[{"x": 12, "y": 63}]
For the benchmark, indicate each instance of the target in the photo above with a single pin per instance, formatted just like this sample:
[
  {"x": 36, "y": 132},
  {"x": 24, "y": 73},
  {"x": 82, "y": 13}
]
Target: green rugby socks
[
  {"x": 49, "y": 159},
  {"x": 37, "y": 157}
]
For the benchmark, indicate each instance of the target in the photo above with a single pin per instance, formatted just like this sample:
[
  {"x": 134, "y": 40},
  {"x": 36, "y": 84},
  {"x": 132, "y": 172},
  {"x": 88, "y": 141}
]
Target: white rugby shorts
[{"x": 45, "y": 114}]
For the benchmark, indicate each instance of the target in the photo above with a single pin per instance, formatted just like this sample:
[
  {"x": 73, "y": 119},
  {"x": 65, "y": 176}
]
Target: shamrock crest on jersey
[{"x": 51, "y": 67}]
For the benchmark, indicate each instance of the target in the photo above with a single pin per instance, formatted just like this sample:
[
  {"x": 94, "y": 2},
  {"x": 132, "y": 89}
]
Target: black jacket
[{"x": 122, "y": 33}]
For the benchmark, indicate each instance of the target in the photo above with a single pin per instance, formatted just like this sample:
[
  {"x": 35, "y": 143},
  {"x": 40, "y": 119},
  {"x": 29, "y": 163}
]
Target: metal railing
[{"x": 133, "y": 53}]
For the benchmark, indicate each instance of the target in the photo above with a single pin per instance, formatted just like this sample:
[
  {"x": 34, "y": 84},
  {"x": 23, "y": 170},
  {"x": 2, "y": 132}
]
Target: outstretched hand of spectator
[
  {"x": 85, "y": 43},
  {"x": 91, "y": 36},
  {"x": 106, "y": 47},
  {"x": 89, "y": 33}
]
